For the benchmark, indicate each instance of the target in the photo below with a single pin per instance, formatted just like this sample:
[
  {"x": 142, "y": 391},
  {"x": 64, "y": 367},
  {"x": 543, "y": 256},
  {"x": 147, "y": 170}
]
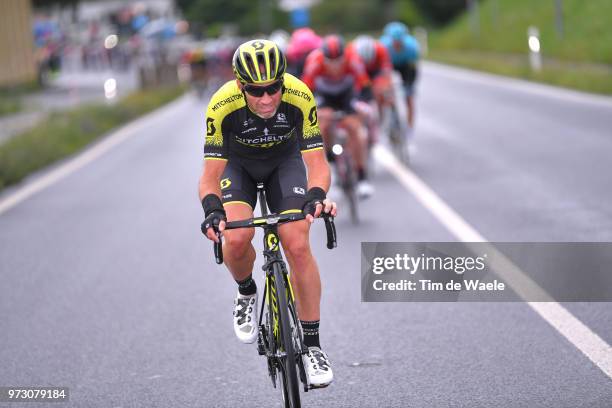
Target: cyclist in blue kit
[{"x": 404, "y": 52}]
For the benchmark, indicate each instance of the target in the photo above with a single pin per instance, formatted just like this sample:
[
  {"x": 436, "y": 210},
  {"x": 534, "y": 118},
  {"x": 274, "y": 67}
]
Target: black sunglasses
[{"x": 258, "y": 91}]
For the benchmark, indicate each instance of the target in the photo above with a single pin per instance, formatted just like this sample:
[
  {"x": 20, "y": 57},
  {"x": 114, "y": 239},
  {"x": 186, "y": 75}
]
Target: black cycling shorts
[
  {"x": 408, "y": 73},
  {"x": 284, "y": 180},
  {"x": 338, "y": 95},
  {"x": 409, "y": 76},
  {"x": 343, "y": 102}
]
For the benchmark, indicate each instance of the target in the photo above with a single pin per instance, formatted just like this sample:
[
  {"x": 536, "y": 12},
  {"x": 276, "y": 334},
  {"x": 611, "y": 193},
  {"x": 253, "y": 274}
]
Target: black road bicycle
[{"x": 280, "y": 336}]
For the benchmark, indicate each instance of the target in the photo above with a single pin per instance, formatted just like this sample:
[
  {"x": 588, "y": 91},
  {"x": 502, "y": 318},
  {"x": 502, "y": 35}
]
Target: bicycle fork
[{"x": 267, "y": 343}]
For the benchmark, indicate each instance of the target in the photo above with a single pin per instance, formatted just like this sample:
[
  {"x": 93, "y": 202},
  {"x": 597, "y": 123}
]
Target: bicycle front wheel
[
  {"x": 399, "y": 137},
  {"x": 288, "y": 363},
  {"x": 348, "y": 181}
]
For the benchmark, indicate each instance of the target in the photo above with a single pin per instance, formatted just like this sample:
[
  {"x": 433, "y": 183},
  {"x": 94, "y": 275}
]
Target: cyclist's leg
[
  {"x": 409, "y": 74},
  {"x": 411, "y": 113},
  {"x": 358, "y": 140},
  {"x": 305, "y": 278},
  {"x": 381, "y": 87},
  {"x": 238, "y": 192},
  {"x": 239, "y": 196},
  {"x": 238, "y": 251},
  {"x": 357, "y": 143},
  {"x": 286, "y": 192},
  {"x": 368, "y": 114},
  {"x": 286, "y": 188},
  {"x": 383, "y": 91}
]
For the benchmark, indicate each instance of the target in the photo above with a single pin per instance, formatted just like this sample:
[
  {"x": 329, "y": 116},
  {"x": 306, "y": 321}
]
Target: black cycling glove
[
  {"x": 314, "y": 196},
  {"x": 214, "y": 212}
]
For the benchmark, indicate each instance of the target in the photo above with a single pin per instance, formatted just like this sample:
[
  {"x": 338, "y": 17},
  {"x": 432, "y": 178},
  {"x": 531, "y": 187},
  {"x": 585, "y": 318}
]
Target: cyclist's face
[{"x": 264, "y": 106}]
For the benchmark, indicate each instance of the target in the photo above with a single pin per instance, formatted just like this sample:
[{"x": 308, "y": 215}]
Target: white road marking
[
  {"x": 576, "y": 332},
  {"x": 88, "y": 156},
  {"x": 515, "y": 84}
]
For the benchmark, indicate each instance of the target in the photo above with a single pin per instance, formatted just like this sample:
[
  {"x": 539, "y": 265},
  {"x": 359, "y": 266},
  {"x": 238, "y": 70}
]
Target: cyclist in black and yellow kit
[{"x": 263, "y": 128}]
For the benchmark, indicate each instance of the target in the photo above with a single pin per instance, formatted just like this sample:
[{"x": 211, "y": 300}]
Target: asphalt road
[{"x": 109, "y": 289}]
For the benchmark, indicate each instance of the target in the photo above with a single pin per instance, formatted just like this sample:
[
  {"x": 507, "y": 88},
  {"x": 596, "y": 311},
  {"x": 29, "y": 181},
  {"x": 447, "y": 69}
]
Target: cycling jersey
[
  {"x": 231, "y": 127},
  {"x": 316, "y": 67},
  {"x": 404, "y": 58},
  {"x": 263, "y": 150},
  {"x": 379, "y": 64},
  {"x": 406, "y": 53}
]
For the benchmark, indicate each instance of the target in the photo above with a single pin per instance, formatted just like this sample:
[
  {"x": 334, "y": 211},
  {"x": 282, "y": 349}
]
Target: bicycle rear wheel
[
  {"x": 288, "y": 363},
  {"x": 399, "y": 138},
  {"x": 348, "y": 182}
]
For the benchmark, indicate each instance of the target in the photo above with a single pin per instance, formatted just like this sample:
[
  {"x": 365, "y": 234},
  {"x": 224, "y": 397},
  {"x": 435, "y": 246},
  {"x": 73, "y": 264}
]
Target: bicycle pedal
[{"x": 261, "y": 349}]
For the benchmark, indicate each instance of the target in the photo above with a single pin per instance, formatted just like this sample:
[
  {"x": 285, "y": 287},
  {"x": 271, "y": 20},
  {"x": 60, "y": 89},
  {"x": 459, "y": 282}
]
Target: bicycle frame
[
  {"x": 280, "y": 337},
  {"x": 271, "y": 344}
]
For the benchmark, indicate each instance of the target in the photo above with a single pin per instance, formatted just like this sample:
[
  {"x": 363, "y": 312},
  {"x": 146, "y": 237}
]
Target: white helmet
[{"x": 366, "y": 48}]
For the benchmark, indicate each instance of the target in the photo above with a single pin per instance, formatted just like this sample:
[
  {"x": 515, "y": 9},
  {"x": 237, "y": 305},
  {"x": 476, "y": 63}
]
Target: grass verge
[
  {"x": 502, "y": 27},
  {"x": 587, "y": 77},
  {"x": 9, "y": 105},
  {"x": 10, "y": 96},
  {"x": 65, "y": 133}
]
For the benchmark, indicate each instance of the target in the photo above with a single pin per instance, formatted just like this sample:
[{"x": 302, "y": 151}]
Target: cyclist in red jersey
[
  {"x": 377, "y": 62},
  {"x": 378, "y": 66},
  {"x": 338, "y": 79}
]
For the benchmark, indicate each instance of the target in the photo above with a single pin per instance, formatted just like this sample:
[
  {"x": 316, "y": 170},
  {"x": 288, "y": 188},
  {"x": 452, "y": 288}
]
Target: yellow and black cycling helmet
[{"x": 258, "y": 61}]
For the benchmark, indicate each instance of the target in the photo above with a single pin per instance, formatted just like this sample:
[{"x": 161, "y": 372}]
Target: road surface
[{"x": 108, "y": 287}]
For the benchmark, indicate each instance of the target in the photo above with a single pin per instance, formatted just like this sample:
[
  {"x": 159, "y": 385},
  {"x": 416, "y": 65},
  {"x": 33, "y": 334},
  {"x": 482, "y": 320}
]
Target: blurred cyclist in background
[
  {"x": 378, "y": 66},
  {"x": 337, "y": 79},
  {"x": 197, "y": 62},
  {"x": 302, "y": 42},
  {"x": 376, "y": 60},
  {"x": 404, "y": 51}
]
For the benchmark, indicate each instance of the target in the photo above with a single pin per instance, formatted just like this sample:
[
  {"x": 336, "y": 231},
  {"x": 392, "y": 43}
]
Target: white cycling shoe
[
  {"x": 364, "y": 189},
  {"x": 318, "y": 368},
  {"x": 245, "y": 318}
]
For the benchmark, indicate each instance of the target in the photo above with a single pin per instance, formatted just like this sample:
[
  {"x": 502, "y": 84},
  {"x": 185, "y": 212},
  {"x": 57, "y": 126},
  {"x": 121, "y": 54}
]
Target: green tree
[
  {"x": 440, "y": 12},
  {"x": 248, "y": 16},
  {"x": 346, "y": 16},
  {"x": 50, "y": 3}
]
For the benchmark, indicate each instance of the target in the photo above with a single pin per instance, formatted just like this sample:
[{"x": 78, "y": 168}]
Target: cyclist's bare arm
[
  {"x": 210, "y": 183},
  {"x": 318, "y": 169},
  {"x": 319, "y": 175}
]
